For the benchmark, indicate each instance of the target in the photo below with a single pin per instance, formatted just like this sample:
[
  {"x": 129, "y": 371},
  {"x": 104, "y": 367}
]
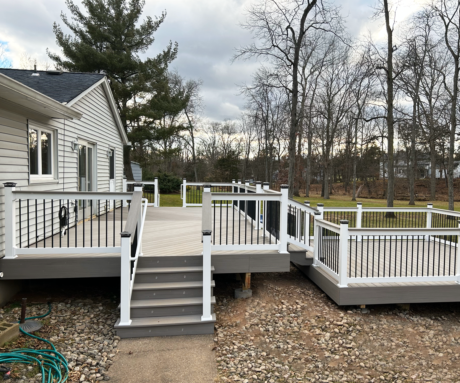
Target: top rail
[
  {"x": 302, "y": 206},
  {"x": 328, "y": 225},
  {"x": 72, "y": 195},
  {"x": 133, "y": 215}
]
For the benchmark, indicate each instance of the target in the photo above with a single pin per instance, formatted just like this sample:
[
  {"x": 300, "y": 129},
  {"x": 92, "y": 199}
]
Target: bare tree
[{"x": 280, "y": 27}]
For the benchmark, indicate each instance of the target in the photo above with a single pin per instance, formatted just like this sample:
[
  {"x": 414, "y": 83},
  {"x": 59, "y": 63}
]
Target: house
[
  {"x": 59, "y": 131},
  {"x": 423, "y": 169}
]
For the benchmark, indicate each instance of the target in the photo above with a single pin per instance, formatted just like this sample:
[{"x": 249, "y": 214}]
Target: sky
[{"x": 207, "y": 31}]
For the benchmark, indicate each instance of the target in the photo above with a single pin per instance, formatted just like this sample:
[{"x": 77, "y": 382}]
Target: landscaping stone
[{"x": 240, "y": 293}]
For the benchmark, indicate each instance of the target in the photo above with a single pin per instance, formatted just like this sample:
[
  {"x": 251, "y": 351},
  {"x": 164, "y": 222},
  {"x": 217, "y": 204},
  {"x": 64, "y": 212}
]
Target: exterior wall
[{"x": 97, "y": 126}]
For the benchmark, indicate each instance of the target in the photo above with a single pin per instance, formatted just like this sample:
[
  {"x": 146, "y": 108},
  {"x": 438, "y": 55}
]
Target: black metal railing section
[
  {"x": 53, "y": 223},
  {"x": 148, "y": 191},
  {"x": 329, "y": 248},
  {"x": 271, "y": 214},
  {"x": 239, "y": 224},
  {"x": 399, "y": 219},
  {"x": 402, "y": 256},
  {"x": 300, "y": 224},
  {"x": 194, "y": 193},
  {"x": 337, "y": 216}
]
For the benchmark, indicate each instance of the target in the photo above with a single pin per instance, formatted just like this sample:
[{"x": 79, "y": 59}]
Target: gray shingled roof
[{"x": 62, "y": 87}]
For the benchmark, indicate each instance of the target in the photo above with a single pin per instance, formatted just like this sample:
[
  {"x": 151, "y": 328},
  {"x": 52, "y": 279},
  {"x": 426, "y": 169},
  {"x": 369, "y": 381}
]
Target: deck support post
[
  {"x": 316, "y": 238},
  {"x": 359, "y": 217},
  {"x": 284, "y": 218},
  {"x": 157, "y": 193},
  {"x": 343, "y": 253},
  {"x": 10, "y": 220},
  {"x": 207, "y": 315},
  {"x": 125, "y": 280},
  {"x": 429, "y": 216},
  {"x": 184, "y": 192}
]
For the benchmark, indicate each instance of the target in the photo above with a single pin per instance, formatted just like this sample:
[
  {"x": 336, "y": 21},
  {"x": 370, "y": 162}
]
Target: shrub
[{"x": 168, "y": 183}]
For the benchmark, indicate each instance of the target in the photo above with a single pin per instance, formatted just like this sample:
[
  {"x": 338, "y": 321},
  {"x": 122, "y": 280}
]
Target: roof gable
[{"x": 62, "y": 87}]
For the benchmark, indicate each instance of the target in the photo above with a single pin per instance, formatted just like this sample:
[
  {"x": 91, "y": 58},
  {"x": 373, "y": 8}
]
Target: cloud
[{"x": 207, "y": 32}]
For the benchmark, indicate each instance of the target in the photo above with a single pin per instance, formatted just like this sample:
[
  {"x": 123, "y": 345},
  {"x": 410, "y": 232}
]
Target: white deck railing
[{"x": 150, "y": 189}]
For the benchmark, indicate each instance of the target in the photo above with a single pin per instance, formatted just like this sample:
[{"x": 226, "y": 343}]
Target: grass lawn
[{"x": 174, "y": 200}]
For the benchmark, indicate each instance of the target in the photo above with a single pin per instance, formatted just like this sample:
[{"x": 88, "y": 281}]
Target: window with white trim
[{"x": 41, "y": 153}]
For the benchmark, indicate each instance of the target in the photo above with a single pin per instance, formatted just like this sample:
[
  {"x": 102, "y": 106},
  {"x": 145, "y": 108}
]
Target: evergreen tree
[{"x": 108, "y": 38}]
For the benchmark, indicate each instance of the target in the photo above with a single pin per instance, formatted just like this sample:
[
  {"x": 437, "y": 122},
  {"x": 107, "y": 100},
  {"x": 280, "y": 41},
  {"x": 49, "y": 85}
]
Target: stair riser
[
  {"x": 168, "y": 277},
  {"x": 191, "y": 329},
  {"x": 167, "y": 311},
  {"x": 167, "y": 293},
  {"x": 170, "y": 261}
]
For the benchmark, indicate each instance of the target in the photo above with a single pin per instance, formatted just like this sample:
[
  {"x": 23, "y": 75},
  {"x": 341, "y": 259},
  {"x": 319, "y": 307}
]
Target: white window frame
[{"x": 43, "y": 177}]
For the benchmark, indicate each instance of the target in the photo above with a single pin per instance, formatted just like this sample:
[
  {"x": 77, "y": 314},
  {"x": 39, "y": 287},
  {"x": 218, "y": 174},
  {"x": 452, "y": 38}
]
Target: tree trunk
[
  {"x": 389, "y": 119},
  {"x": 453, "y": 126},
  {"x": 433, "y": 171}
]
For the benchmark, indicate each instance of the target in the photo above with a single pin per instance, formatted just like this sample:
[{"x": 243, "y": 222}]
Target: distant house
[
  {"x": 423, "y": 169},
  {"x": 59, "y": 131}
]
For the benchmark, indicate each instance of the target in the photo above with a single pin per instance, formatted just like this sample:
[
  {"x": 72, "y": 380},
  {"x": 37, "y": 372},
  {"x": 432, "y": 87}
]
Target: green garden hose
[{"x": 53, "y": 365}]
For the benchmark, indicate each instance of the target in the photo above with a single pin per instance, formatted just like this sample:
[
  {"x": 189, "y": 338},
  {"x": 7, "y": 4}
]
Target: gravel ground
[
  {"x": 81, "y": 328},
  {"x": 290, "y": 331}
]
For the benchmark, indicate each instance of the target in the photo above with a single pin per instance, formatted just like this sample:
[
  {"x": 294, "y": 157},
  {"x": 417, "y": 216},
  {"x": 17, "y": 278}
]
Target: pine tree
[{"x": 109, "y": 38}]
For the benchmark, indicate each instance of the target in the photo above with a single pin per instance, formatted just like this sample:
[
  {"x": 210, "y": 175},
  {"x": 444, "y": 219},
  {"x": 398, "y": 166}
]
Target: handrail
[
  {"x": 301, "y": 205},
  {"x": 328, "y": 225},
  {"x": 133, "y": 215},
  {"x": 72, "y": 195},
  {"x": 141, "y": 231}
]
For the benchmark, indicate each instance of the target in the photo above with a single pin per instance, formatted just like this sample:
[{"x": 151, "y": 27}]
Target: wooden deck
[{"x": 171, "y": 232}]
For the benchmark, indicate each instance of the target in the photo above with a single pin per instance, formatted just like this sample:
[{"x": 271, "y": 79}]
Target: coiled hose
[{"x": 53, "y": 365}]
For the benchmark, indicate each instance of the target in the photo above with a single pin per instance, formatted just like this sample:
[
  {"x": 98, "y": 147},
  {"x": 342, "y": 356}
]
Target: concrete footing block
[
  {"x": 240, "y": 293},
  {"x": 8, "y": 332}
]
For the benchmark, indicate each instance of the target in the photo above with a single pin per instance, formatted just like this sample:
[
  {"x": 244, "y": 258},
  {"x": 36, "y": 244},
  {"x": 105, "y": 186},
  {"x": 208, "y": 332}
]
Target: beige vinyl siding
[{"x": 97, "y": 126}]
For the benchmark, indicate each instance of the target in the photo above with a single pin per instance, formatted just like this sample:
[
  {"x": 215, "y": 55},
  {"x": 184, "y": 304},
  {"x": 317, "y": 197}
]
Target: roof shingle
[{"x": 62, "y": 87}]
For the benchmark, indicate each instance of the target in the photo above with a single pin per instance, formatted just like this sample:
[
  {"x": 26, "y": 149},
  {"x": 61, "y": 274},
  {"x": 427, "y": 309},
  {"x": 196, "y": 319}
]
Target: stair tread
[
  {"x": 170, "y": 270},
  {"x": 169, "y": 285},
  {"x": 166, "y": 321},
  {"x": 144, "y": 303}
]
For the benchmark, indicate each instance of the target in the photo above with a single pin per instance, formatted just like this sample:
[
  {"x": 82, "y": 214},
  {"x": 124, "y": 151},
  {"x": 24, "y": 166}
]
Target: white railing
[
  {"x": 131, "y": 237},
  {"x": 300, "y": 224},
  {"x": 36, "y": 219},
  {"x": 152, "y": 196}
]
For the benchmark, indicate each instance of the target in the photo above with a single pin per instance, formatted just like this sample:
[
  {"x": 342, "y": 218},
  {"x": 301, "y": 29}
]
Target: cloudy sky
[{"x": 207, "y": 32}]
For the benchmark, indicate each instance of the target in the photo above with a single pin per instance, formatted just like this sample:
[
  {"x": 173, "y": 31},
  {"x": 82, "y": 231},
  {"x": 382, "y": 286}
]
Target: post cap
[
  {"x": 207, "y": 186},
  {"x": 284, "y": 186},
  {"x": 306, "y": 201},
  {"x": 125, "y": 234},
  {"x": 317, "y": 213},
  {"x": 359, "y": 203},
  {"x": 184, "y": 178},
  {"x": 233, "y": 180},
  {"x": 239, "y": 179},
  {"x": 258, "y": 182},
  {"x": 320, "y": 204},
  {"x": 207, "y": 232},
  {"x": 9, "y": 184},
  {"x": 138, "y": 184},
  {"x": 156, "y": 178},
  {"x": 344, "y": 221},
  {"x": 429, "y": 204},
  {"x": 266, "y": 183}
]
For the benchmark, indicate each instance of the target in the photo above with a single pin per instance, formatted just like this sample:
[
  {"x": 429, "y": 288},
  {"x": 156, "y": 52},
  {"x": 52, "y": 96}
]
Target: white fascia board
[
  {"x": 83, "y": 94},
  {"x": 24, "y": 96}
]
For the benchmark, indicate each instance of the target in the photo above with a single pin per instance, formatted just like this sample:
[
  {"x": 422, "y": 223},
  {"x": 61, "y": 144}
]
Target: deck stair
[{"x": 167, "y": 298}]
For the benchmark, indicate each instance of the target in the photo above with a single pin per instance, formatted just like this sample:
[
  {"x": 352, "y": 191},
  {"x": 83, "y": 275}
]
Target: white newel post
[
  {"x": 206, "y": 230},
  {"x": 284, "y": 218},
  {"x": 359, "y": 217},
  {"x": 125, "y": 279},
  {"x": 138, "y": 188},
  {"x": 266, "y": 185},
  {"x": 343, "y": 253},
  {"x": 125, "y": 189},
  {"x": 320, "y": 207},
  {"x": 10, "y": 220},
  {"x": 206, "y": 276},
  {"x": 316, "y": 238},
  {"x": 429, "y": 217},
  {"x": 307, "y": 221},
  {"x": 184, "y": 193},
  {"x": 239, "y": 191},
  {"x": 257, "y": 221},
  {"x": 157, "y": 193}
]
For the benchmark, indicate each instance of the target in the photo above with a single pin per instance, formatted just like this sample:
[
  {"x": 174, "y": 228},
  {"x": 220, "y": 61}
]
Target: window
[
  {"x": 112, "y": 164},
  {"x": 41, "y": 145}
]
